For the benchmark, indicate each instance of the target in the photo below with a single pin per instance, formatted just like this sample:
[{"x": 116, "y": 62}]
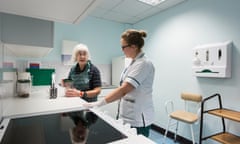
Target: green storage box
[{"x": 41, "y": 76}]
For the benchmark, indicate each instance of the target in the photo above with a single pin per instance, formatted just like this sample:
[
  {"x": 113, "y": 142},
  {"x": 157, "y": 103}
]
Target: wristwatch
[{"x": 84, "y": 94}]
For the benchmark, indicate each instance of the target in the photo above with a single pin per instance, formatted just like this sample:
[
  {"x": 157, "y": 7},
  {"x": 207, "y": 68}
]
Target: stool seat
[{"x": 184, "y": 116}]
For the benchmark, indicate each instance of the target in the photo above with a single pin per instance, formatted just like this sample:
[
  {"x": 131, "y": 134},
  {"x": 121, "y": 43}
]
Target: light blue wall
[
  {"x": 171, "y": 37},
  {"x": 101, "y": 36}
]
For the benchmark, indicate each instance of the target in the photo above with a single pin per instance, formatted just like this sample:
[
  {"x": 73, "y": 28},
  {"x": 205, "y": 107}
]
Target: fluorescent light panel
[{"x": 152, "y": 2}]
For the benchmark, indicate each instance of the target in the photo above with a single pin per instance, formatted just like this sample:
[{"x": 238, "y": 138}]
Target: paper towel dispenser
[{"x": 212, "y": 60}]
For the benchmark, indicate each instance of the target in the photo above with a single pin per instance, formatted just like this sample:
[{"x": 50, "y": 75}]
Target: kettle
[{"x": 23, "y": 84}]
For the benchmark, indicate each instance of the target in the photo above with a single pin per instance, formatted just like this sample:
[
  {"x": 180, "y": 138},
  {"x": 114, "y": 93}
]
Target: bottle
[{"x": 53, "y": 89}]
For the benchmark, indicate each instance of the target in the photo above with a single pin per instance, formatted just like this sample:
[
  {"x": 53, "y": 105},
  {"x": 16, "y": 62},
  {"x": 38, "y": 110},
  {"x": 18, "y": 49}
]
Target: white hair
[{"x": 77, "y": 49}]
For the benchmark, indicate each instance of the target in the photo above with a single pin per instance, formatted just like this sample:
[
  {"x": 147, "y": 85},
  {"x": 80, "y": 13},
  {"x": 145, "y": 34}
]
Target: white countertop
[{"x": 39, "y": 103}]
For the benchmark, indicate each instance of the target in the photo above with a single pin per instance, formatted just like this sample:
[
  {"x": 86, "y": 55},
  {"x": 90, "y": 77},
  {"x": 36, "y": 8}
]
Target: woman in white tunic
[{"x": 135, "y": 90}]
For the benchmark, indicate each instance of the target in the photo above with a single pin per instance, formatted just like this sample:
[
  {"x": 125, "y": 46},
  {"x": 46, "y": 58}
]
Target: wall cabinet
[
  {"x": 223, "y": 136},
  {"x": 26, "y": 31},
  {"x": 25, "y": 36}
]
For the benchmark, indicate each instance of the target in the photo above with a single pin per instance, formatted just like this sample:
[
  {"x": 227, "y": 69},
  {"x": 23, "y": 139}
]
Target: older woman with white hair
[{"x": 85, "y": 76}]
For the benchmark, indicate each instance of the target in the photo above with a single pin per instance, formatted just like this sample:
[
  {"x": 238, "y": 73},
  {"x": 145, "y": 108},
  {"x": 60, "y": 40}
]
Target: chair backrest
[{"x": 192, "y": 97}]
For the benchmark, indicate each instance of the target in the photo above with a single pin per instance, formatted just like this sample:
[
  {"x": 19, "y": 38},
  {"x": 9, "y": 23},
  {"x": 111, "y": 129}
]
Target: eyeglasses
[{"x": 123, "y": 47}]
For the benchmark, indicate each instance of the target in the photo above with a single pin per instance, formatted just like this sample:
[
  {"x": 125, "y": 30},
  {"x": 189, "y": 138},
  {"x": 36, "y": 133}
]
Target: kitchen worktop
[{"x": 39, "y": 103}]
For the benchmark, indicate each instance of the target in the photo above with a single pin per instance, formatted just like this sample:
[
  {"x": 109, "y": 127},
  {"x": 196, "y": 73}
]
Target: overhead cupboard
[{"x": 25, "y": 36}]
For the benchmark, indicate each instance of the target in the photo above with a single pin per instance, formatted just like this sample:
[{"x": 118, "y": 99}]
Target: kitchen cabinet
[
  {"x": 22, "y": 34},
  {"x": 223, "y": 136},
  {"x": 26, "y": 31}
]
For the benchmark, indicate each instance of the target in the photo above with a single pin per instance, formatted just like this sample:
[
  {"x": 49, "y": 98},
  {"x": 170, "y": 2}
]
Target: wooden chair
[{"x": 186, "y": 116}]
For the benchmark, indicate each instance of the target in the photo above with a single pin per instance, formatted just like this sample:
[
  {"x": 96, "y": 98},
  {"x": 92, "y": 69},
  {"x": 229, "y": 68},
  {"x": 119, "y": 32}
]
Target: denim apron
[{"x": 81, "y": 81}]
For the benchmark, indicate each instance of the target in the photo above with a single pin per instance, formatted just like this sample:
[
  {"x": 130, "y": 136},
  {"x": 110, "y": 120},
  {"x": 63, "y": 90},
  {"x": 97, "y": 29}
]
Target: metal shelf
[{"x": 222, "y": 137}]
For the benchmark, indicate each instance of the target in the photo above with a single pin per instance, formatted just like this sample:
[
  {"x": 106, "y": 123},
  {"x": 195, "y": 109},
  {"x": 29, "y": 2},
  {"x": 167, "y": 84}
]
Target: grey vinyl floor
[{"x": 158, "y": 138}]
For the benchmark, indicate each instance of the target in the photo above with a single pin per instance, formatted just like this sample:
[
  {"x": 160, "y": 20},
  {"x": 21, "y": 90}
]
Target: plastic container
[{"x": 23, "y": 88}]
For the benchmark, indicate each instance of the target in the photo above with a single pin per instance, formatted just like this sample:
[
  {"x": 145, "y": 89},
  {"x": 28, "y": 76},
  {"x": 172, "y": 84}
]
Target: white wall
[{"x": 172, "y": 35}]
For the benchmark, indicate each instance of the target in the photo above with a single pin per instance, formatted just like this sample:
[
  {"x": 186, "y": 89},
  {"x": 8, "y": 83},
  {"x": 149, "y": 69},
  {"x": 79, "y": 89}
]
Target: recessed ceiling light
[{"x": 152, "y": 2}]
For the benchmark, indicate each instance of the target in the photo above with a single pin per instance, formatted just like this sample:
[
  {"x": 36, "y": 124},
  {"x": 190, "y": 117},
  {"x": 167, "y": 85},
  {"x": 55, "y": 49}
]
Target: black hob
[{"x": 83, "y": 127}]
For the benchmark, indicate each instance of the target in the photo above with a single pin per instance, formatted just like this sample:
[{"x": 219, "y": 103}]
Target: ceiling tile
[
  {"x": 64, "y": 11},
  {"x": 99, "y": 12},
  {"x": 109, "y": 4},
  {"x": 117, "y": 17},
  {"x": 131, "y": 7},
  {"x": 169, "y": 3},
  {"x": 148, "y": 13},
  {"x": 130, "y": 11},
  {"x": 71, "y": 11}
]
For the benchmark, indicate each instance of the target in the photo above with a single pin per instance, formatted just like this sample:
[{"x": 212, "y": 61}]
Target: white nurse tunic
[{"x": 136, "y": 107}]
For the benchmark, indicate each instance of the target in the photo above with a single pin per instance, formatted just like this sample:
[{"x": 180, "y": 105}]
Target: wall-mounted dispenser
[{"x": 212, "y": 60}]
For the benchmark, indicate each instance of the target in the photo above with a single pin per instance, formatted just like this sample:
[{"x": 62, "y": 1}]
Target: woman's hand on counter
[{"x": 73, "y": 92}]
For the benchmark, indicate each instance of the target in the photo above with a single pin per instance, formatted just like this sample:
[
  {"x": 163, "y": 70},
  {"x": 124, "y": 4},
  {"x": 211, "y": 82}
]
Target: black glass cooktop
[{"x": 81, "y": 127}]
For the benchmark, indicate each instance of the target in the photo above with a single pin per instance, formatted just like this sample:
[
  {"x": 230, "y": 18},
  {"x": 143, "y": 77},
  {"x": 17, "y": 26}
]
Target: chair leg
[
  {"x": 175, "y": 135},
  {"x": 191, "y": 127},
  {"x": 166, "y": 131}
]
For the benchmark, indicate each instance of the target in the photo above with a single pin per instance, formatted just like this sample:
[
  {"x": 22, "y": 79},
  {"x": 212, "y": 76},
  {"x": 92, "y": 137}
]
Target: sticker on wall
[
  {"x": 212, "y": 60},
  {"x": 34, "y": 64},
  {"x": 8, "y": 64}
]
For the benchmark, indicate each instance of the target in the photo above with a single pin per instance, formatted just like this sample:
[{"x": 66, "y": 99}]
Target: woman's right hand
[{"x": 73, "y": 92}]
